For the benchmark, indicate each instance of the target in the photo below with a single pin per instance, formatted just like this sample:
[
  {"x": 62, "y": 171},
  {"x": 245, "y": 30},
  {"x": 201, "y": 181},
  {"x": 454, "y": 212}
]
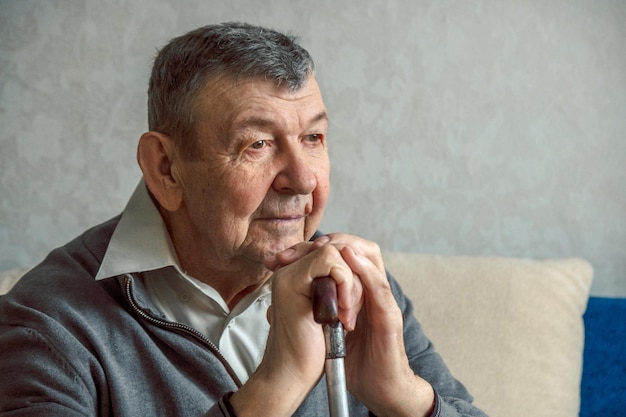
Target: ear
[{"x": 157, "y": 156}]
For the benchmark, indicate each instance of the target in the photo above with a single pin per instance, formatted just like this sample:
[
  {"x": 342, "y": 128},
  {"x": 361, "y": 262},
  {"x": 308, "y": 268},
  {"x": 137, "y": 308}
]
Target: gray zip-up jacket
[{"x": 74, "y": 346}]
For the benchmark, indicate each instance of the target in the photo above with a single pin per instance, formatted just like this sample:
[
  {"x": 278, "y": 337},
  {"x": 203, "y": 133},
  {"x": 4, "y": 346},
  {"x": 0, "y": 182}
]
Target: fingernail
[
  {"x": 323, "y": 239},
  {"x": 351, "y": 323},
  {"x": 288, "y": 252}
]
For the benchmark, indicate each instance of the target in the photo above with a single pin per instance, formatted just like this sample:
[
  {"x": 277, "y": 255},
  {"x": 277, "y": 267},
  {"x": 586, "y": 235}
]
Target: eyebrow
[
  {"x": 321, "y": 116},
  {"x": 261, "y": 122}
]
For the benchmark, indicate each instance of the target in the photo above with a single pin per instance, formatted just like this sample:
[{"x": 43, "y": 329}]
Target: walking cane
[{"x": 325, "y": 312}]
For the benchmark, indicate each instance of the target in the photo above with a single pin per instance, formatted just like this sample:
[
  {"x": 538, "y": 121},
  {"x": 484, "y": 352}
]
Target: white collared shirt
[{"x": 141, "y": 243}]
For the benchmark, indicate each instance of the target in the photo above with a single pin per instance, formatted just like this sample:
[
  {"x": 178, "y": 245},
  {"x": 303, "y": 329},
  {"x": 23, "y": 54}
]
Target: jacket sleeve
[
  {"x": 37, "y": 380},
  {"x": 452, "y": 398}
]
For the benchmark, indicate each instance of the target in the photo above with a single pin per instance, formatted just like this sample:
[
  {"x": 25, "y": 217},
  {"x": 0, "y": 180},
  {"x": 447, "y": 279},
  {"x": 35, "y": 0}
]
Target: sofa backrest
[{"x": 510, "y": 329}]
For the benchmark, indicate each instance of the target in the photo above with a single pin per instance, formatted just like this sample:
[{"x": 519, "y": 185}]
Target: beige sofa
[{"x": 510, "y": 329}]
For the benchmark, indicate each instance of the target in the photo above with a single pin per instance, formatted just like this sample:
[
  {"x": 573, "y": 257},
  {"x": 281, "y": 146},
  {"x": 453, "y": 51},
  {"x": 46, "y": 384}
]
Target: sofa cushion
[
  {"x": 9, "y": 278},
  {"x": 510, "y": 329}
]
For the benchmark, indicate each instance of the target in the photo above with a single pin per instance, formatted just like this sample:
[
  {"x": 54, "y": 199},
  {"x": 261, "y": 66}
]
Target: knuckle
[
  {"x": 329, "y": 252},
  {"x": 373, "y": 247}
]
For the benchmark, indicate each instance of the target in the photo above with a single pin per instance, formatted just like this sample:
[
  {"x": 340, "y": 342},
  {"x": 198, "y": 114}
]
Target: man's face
[{"x": 261, "y": 181}]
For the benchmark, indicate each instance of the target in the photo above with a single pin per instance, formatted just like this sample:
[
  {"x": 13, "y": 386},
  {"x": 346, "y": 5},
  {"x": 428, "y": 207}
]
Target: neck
[{"x": 233, "y": 283}]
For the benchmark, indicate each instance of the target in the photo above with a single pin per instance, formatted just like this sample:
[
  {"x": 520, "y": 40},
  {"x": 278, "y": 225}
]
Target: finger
[
  {"x": 274, "y": 263},
  {"x": 381, "y": 305},
  {"x": 349, "y": 288},
  {"x": 350, "y": 302},
  {"x": 290, "y": 255},
  {"x": 299, "y": 265},
  {"x": 325, "y": 261},
  {"x": 360, "y": 246}
]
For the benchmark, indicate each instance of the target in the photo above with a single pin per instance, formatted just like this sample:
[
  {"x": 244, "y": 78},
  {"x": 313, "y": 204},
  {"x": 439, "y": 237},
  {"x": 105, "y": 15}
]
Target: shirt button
[{"x": 184, "y": 297}]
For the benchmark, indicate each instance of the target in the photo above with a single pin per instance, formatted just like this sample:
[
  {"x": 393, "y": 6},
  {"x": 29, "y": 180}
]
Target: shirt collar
[{"x": 140, "y": 241}]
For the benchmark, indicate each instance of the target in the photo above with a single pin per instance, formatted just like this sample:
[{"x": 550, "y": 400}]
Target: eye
[
  {"x": 314, "y": 137},
  {"x": 259, "y": 144}
]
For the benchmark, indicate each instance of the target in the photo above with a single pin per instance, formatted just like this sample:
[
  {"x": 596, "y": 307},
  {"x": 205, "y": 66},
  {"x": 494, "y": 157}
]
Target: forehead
[{"x": 231, "y": 104}]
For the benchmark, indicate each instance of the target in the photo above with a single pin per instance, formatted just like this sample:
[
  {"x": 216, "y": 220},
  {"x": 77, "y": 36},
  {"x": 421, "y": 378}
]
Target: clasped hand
[{"x": 377, "y": 368}]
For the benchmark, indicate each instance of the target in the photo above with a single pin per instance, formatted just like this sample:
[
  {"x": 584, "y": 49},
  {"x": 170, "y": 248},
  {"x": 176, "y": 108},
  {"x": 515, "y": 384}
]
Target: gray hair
[{"x": 234, "y": 50}]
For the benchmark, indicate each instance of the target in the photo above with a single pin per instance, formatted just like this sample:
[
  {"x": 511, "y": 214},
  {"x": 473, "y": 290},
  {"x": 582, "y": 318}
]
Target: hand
[
  {"x": 294, "y": 355},
  {"x": 377, "y": 368},
  {"x": 349, "y": 289}
]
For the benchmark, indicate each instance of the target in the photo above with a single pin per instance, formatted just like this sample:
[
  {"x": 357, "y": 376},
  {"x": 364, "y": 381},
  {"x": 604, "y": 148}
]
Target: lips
[
  {"x": 285, "y": 210},
  {"x": 282, "y": 217}
]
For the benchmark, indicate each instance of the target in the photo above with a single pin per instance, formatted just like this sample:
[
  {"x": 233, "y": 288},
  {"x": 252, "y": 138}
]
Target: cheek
[
  {"x": 320, "y": 198},
  {"x": 244, "y": 194},
  {"x": 241, "y": 201},
  {"x": 221, "y": 198},
  {"x": 322, "y": 190},
  {"x": 320, "y": 195}
]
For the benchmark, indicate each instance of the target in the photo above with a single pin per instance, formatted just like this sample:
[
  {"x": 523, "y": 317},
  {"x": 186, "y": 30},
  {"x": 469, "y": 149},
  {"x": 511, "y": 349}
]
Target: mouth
[
  {"x": 284, "y": 212},
  {"x": 283, "y": 218}
]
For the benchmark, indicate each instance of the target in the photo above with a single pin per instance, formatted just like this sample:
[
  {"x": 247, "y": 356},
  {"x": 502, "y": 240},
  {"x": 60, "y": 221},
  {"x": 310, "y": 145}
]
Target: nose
[{"x": 296, "y": 172}]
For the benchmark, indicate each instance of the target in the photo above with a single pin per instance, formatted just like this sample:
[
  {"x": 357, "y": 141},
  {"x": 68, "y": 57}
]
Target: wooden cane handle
[{"x": 324, "y": 294}]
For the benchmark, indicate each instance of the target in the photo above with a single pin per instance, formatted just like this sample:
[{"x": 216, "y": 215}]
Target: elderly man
[{"x": 196, "y": 300}]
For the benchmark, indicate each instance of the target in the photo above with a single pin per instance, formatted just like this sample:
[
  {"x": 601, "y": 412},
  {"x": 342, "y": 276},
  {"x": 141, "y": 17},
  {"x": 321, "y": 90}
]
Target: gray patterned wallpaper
[{"x": 458, "y": 127}]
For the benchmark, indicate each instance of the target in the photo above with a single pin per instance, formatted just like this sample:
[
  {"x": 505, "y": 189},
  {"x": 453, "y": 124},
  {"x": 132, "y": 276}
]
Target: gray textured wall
[{"x": 458, "y": 127}]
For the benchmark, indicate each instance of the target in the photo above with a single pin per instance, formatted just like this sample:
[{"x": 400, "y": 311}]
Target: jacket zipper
[{"x": 177, "y": 326}]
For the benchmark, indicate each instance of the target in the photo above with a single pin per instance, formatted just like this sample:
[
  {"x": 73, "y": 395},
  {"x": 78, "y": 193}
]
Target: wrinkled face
[{"x": 261, "y": 181}]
